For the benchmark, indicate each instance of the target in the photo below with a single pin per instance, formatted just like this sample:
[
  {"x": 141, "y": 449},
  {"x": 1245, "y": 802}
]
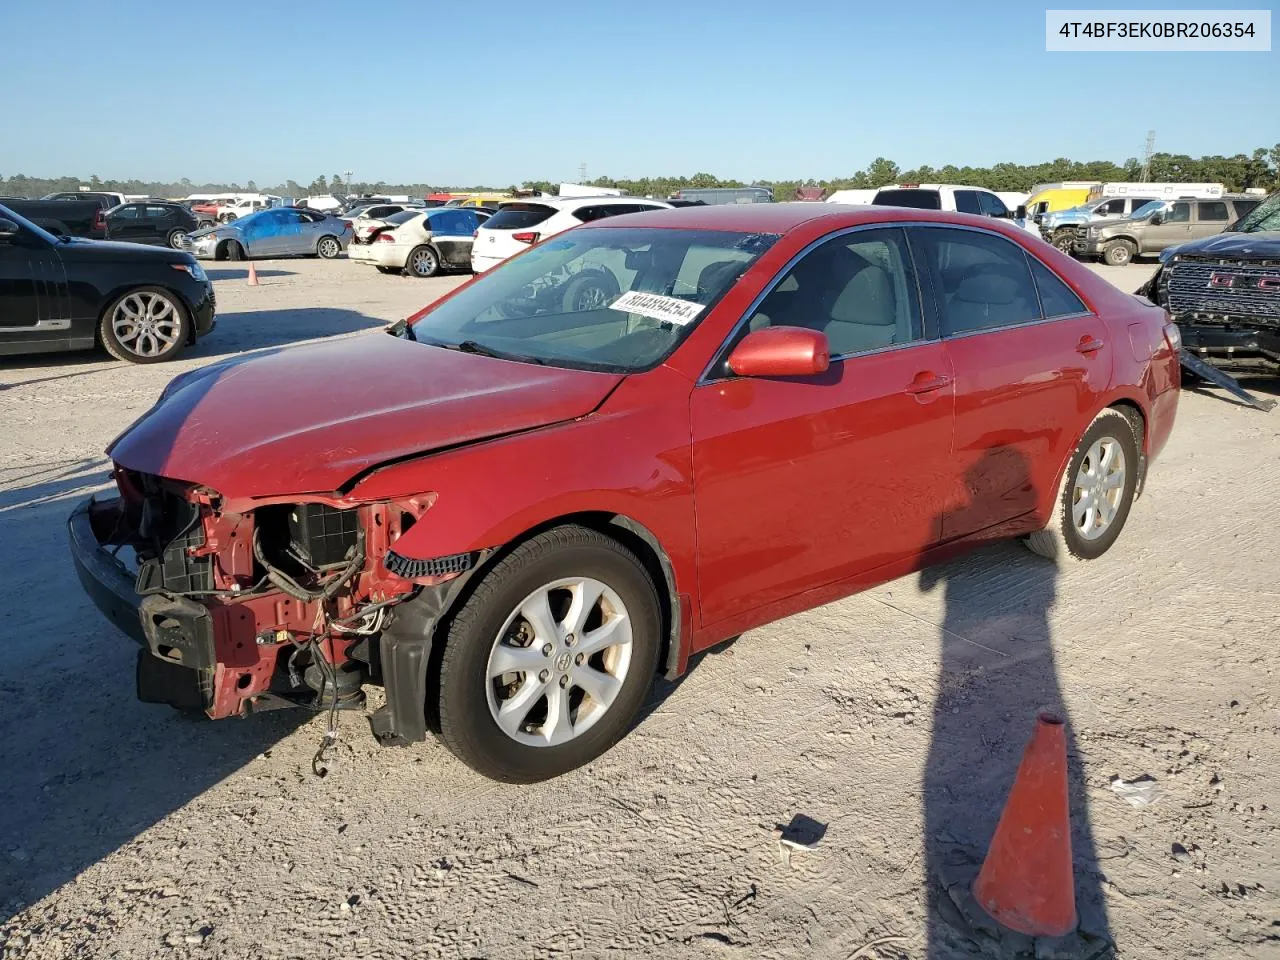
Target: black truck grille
[{"x": 1224, "y": 291}]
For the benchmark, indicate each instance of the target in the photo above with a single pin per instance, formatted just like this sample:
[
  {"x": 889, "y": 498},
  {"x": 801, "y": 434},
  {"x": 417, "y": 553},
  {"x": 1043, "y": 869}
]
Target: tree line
[{"x": 1259, "y": 169}]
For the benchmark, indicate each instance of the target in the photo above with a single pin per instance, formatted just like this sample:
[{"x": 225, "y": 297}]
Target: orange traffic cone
[
  {"x": 1026, "y": 882},
  {"x": 253, "y": 275}
]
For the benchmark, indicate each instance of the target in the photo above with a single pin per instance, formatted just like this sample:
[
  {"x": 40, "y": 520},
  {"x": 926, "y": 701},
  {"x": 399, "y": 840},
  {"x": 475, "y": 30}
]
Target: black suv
[
  {"x": 151, "y": 221},
  {"x": 141, "y": 304}
]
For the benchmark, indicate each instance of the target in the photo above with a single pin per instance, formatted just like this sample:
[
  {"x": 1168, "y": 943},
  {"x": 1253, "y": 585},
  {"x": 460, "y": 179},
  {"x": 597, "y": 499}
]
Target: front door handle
[
  {"x": 1088, "y": 345},
  {"x": 927, "y": 382}
]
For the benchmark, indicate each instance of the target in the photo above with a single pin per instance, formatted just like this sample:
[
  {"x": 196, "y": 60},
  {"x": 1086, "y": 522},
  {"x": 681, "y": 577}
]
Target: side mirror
[
  {"x": 1021, "y": 212},
  {"x": 781, "y": 352},
  {"x": 1157, "y": 219},
  {"x": 8, "y": 230}
]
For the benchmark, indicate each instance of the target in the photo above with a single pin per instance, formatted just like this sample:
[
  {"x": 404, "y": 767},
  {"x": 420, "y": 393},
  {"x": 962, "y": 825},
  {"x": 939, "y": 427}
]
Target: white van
[{"x": 1158, "y": 191}]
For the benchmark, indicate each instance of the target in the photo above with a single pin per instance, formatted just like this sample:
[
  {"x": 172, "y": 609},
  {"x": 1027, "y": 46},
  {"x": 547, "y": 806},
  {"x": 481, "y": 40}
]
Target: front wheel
[
  {"x": 422, "y": 262},
  {"x": 1064, "y": 240},
  {"x": 328, "y": 247},
  {"x": 1117, "y": 253},
  {"x": 1095, "y": 493},
  {"x": 234, "y": 251},
  {"x": 550, "y": 659},
  {"x": 147, "y": 325}
]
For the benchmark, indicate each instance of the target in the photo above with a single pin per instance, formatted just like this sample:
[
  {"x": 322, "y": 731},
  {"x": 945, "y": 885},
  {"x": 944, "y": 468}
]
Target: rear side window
[
  {"x": 1056, "y": 298},
  {"x": 455, "y": 222},
  {"x": 967, "y": 201},
  {"x": 598, "y": 211},
  {"x": 1213, "y": 210},
  {"x": 1244, "y": 206},
  {"x": 985, "y": 281},
  {"x": 126, "y": 213},
  {"x": 917, "y": 199},
  {"x": 404, "y": 216},
  {"x": 519, "y": 216},
  {"x": 157, "y": 213}
]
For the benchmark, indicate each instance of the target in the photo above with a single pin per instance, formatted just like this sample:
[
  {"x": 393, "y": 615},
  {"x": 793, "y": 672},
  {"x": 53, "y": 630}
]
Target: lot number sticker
[{"x": 657, "y": 306}]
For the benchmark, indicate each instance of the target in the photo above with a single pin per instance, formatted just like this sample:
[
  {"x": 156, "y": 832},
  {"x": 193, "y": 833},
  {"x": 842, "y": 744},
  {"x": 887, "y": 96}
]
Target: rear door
[
  {"x": 1208, "y": 218},
  {"x": 128, "y": 223},
  {"x": 159, "y": 220},
  {"x": 1030, "y": 362},
  {"x": 806, "y": 481},
  {"x": 451, "y": 230}
]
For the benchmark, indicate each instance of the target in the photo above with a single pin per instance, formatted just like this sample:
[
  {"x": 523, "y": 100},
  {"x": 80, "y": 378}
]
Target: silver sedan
[{"x": 279, "y": 232}]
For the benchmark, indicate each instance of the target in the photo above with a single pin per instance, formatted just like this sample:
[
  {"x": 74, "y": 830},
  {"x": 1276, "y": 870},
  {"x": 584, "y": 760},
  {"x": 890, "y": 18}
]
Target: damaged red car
[{"x": 635, "y": 440}]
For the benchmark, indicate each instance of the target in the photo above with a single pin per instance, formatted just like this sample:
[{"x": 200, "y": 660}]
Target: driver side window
[{"x": 859, "y": 289}]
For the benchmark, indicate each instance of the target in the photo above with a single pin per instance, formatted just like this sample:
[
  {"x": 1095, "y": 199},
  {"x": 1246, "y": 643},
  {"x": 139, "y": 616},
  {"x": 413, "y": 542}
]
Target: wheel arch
[{"x": 1131, "y": 405}]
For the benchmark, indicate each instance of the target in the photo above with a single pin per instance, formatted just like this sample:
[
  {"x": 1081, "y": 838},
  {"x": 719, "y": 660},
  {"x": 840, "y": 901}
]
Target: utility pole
[{"x": 1146, "y": 159}]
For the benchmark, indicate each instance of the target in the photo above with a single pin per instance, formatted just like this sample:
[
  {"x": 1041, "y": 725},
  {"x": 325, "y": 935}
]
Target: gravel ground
[{"x": 895, "y": 718}]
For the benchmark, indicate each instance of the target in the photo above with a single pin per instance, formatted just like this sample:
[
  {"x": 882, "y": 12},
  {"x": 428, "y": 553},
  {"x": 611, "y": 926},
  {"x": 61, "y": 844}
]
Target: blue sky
[{"x": 500, "y": 91}]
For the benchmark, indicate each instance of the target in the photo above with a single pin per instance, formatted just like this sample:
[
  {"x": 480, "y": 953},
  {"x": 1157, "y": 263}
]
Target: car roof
[
  {"x": 563, "y": 203},
  {"x": 784, "y": 217}
]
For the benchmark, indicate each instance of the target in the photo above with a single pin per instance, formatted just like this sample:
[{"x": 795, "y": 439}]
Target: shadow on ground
[
  {"x": 86, "y": 766},
  {"x": 255, "y": 329}
]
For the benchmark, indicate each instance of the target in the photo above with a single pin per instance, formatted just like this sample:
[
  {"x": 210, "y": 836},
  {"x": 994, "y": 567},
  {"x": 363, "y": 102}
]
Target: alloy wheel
[
  {"x": 329, "y": 248},
  {"x": 559, "y": 662},
  {"x": 423, "y": 263},
  {"x": 147, "y": 324},
  {"x": 1099, "y": 487}
]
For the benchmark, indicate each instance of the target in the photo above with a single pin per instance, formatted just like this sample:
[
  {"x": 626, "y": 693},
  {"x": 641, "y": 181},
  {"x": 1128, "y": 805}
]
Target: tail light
[
  {"x": 1173, "y": 336},
  {"x": 524, "y": 237},
  {"x": 99, "y": 220},
  {"x": 386, "y": 238}
]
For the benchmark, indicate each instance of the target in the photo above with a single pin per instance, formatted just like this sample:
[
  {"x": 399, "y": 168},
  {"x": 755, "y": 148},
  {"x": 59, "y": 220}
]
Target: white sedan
[{"x": 420, "y": 243}]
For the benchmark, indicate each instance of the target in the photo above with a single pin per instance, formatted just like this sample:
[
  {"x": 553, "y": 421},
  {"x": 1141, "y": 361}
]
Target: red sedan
[{"x": 636, "y": 440}]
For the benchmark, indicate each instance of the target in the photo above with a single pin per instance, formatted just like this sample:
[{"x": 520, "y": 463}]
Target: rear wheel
[
  {"x": 328, "y": 247},
  {"x": 146, "y": 325},
  {"x": 549, "y": 660},
  {"x": 1117, "y": 253},
  {"x": 422, "y": 262},
  {"x": 1095, "y": 493},
  {"x": 175, "y": 239}
]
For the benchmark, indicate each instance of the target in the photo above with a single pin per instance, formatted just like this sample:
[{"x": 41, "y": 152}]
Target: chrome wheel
[
  {"x": 176, "y": 239},
  {"x": 1099, "y": 487},
  {"x": 559, "y": 661},
  {"x": 422, "y": 263},
  {"x": 329, "y": 248},
  {"x": 591, "y": 298},
  {"x": 147, "y": 324}
]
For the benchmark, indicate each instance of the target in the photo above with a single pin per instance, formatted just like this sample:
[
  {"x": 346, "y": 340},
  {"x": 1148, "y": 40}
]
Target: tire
[
  {"x": 470, "y": 698},
  {"x": 162, "y": 317},
  {"x": 328, "y": 248},
  {"x": 234, "y": 251},
  {"x": 1118, "y": 253},
  {"x": 422, "y": 261},
  {"x": 1063, "y": 539},
  {"x": 174, "y": 240},
  {"x": 591, "y": 290},
  {"x": 1064, "y": 240}
]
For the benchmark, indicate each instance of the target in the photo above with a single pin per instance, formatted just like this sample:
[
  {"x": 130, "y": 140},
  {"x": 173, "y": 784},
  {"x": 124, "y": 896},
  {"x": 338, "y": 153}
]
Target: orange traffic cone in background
[
  {"x": 253, "y": 275},
  {"x": 1026, "y": 882}
]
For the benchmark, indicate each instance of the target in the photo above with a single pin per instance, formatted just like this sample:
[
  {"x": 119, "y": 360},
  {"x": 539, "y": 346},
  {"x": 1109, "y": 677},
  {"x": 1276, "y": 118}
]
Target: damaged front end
[{"x": 285, "y": 604}]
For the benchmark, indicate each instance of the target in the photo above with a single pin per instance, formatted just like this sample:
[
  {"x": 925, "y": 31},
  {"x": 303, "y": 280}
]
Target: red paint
[{"x": 767, "y": 494}]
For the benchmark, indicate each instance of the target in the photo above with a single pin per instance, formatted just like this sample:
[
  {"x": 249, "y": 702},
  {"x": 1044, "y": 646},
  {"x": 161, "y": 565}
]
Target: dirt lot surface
[{"x": 895, "y": 718}]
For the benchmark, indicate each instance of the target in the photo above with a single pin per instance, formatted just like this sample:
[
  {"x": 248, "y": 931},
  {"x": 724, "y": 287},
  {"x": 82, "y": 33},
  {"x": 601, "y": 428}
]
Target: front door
[
  {"x": 1030, "y": 360},
  {"x": 802, "y": 482},
  {"x": 453, "y": 230},
  {"x": 1174, "y": 227},
  {"x": 32, "y": 290}
]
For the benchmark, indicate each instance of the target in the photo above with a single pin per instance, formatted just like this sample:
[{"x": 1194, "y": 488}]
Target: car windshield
[
  {"x": 23, "y": 222},
  {"x": 1265, "y": 216},
  {"x": 616, "y": 299}
]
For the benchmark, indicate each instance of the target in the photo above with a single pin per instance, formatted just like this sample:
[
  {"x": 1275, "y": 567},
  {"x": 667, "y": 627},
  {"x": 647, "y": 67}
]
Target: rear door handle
[
  {"x": 1089, "y": 345},
  {"x": 927, "y": 382}
]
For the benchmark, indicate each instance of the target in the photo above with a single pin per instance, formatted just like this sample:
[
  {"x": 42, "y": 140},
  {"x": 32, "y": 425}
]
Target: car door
[
  {"x": 33, "y": 299},
  {"x": 127, "y": 224},
  {"x": 262, "y": 233},
  {"x": 967, "y": 202},
  {"x": 803, "y": 482},
  {"x": 1208, "y": 218},
  {"x": 1174, "y": 227},
  {"x": 1029, "y": 359},
  {"x": 451, "y": 232},
  {"x": 159, "y": 221}
]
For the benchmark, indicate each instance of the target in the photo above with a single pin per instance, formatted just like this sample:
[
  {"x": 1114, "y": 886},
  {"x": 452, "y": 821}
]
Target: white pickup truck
[
  {"x": 243, "y": 206},
  {"x": 957, "y": 199}
]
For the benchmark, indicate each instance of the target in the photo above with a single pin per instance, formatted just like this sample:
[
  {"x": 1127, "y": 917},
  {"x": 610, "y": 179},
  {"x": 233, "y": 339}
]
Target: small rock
[
  {"x": 1180, "y": 853},
  {"x": 344, "y": 907}
]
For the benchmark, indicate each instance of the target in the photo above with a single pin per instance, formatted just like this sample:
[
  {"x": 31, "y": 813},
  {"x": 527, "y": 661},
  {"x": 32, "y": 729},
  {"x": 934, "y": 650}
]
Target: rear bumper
[
  {"x": 379, "y": 254},
  {"x": 480, "y": 264}
]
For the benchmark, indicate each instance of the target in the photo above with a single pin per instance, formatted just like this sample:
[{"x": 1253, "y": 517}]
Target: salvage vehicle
[
  {"x": 152, "y": 222},
  {"x": 141, "y": 304},
  {"x": 1157, "y": 225},
  {"x": 63, "y": 218},
  {"x": 283, "y": 232},
  {"x": 522, "y": 506},
  {"x": 519, "y": 225},
  {"x": 1062, "y": 227},
  {"x": 942, "y": 196},
  {"x": 419, "y": 243},
  {"x": 1223, "y": 292}
]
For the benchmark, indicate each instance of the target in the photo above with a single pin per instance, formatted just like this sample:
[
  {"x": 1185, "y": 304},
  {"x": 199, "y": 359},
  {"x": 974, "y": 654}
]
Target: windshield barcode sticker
[{"x": 657, "y": 306}]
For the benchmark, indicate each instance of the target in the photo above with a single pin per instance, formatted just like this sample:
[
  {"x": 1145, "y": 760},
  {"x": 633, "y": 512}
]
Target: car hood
[
  {"x": 309, "y": 419},
  {"x": 106, "y": 251},
  {"x": 1235, "y": 246}
]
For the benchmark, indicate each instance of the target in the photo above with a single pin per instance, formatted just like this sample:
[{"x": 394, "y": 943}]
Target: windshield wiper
[{"x": 471, "y": 346}]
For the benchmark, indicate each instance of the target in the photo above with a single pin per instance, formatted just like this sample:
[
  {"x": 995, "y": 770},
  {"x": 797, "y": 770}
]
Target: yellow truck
[{"x": 1048, "y": 197}]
